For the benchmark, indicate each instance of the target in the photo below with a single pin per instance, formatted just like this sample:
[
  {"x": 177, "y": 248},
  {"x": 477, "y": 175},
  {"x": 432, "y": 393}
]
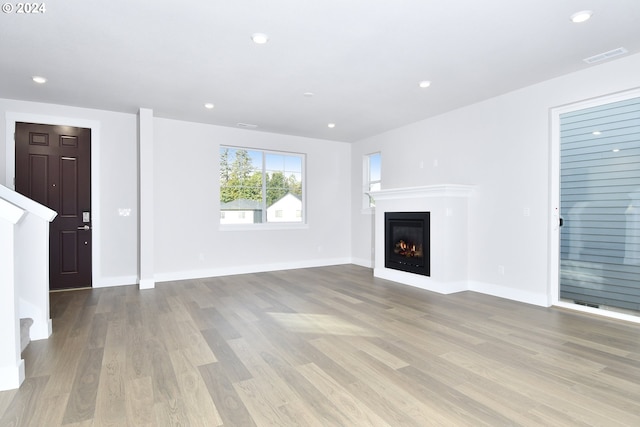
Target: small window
[
  {"x": 261, "y": 186},
  {"x": 372, "y": 178}
]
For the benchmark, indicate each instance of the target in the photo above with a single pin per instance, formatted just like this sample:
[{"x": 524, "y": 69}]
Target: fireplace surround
[{"x": 448, "y": 208}]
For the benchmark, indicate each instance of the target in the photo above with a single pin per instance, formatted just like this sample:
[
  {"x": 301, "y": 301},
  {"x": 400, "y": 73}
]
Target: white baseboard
[
  {"x": 11, "y": 376},
  {"x": 362, "y": 262},
  {"x": 247, "y": 269},
  {"x": 147, "y": 283},
  {"x": 106, "y": 282},
  {"x": 534, "y": 298},
  {"x": 41, "y": 330}
]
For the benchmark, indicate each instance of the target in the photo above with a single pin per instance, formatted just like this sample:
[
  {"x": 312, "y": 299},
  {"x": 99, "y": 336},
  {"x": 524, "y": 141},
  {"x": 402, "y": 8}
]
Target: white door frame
[
  {"x": 94, "y": 125},
  {"x": 554, "y": 238}
]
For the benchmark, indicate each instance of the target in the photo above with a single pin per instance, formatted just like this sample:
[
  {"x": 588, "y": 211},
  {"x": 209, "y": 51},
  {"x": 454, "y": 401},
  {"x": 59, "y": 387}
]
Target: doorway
[
  {"x": 597, "y": 204},
  {"x": 53, "y": 167}
]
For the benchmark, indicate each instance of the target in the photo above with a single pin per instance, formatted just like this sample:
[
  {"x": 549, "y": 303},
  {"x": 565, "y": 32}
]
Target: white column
[{"x": 146, "y": 204}]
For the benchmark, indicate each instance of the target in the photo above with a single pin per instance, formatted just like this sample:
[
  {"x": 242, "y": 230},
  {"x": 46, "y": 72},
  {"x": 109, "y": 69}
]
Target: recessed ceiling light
[
  {"x": 582, "y": 16},
  {"x": 331, "y": 125},
  {"x": 259, "y": 38},
  {"x": 209, "y": 105},
  {"x": 308, "y": 94},
  {"x": 39, "y": 79},
  {"x": 425, "y": 83}
]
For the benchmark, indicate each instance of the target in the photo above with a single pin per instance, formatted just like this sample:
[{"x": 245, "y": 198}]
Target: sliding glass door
[{"x": 600, "y": 205}]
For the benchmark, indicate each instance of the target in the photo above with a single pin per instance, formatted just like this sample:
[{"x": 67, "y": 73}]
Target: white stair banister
[{"x": 11, "y": 366}]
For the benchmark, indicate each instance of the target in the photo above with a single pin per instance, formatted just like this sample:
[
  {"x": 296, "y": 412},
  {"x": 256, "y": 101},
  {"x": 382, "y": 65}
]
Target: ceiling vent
[
  {"x": 246, "y": 125},
  {"x": 604, "y": 56}
]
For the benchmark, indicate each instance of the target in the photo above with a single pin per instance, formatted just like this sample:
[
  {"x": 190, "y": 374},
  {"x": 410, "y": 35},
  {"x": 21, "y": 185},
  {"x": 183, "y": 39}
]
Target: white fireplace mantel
[
  {"x": 443, "y": 190},
  {"x": 448, "y": 205}
]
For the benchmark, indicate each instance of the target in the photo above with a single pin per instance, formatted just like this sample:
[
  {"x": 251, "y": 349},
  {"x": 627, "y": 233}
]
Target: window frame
[
  {"x": 368, "y": 204},
  {"x": 264, "y": 225}
]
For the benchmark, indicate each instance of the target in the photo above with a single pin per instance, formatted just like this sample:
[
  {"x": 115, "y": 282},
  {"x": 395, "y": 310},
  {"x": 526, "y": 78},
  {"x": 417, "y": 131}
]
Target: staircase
[{"x": 24, "y": 281}]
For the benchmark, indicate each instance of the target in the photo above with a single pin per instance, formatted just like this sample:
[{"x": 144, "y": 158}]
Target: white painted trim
[
  {"x": 264, "y": 226},
  {"x": 41, "y": 331},
  {"x": 599, "y": 312},
  {"x": 27, "y": 204},
  {"x": 422, "y": 282},
  {"x": 442, "y": 190},
  {"x": 94, "y": 125},
  {"x": 146, "y": 231},
  {"x": 10, "y": 212},
  {"x": 539, "y": 299},
  {"x": 246, "y": 269},
  {"x": 147, "y": 283},
  {"x": 116, "y": 281},
  {"x": 362, "y": 262},
  {"x": 11, "y": 376},
  {"x": 553, "y": 296}
]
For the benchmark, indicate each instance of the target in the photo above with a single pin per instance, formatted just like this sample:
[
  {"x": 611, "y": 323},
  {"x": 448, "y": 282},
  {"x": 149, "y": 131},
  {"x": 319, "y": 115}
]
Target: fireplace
[{"x": 407, "y": 241}]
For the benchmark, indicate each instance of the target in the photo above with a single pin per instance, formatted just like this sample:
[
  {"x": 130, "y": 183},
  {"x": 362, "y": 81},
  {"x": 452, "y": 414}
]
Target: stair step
[{"x": 25, "y": 325}]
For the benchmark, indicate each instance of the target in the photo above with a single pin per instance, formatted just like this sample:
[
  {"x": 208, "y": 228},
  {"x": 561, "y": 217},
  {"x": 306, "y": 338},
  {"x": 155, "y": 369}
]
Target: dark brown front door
[{"x": 53, "y": 167}]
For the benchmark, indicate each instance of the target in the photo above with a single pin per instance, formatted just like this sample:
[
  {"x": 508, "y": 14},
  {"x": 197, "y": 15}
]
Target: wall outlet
[{"x": 501, "y": 270}]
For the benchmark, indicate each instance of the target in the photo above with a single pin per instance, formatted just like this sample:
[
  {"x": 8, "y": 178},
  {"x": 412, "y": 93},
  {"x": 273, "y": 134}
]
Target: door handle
[{"x": 84, "y": 227}]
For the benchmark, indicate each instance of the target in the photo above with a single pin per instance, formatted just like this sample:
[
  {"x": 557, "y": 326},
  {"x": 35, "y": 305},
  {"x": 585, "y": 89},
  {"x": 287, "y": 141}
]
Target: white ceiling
[{"x": 362, "y": 59}]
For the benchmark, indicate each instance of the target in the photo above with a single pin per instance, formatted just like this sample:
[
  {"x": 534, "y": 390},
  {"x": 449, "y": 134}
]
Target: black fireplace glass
[{"x": 407, "y": 245}]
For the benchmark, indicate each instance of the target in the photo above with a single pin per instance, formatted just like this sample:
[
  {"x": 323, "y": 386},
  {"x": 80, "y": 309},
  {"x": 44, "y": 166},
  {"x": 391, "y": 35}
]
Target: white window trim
[
  {"x": 270, "y": 225},
  {"x": 553, "y": 296},
  {"x": 367, "y": 209}
]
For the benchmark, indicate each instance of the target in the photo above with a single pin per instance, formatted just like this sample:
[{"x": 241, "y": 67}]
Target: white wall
[
  {"x": 115, "y": 148},
  {"x": 502, "y": 146},
  {"x": 189, "y": 241}
]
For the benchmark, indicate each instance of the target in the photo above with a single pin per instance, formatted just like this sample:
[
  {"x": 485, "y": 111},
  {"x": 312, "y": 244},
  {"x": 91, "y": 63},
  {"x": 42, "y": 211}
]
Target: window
[
  {"x": 260, "y": 186},
  {"x": 372, "y": 177},
  {"x": 600, "y": 205}
]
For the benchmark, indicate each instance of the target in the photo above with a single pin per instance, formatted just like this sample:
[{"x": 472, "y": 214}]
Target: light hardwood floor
[{"x": 327, "y": 346}]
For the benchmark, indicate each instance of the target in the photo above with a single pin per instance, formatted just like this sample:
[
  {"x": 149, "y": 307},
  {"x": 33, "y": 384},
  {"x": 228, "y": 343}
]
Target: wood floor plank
[
  {"x": 24, "y": 403},
  {"x": 139, "y": 403},
  {"x": 225, "y": 398},
  {"x": 233, "y": 366},
  {"x": 355, "y": 411},
  {"x": 275, "y": 391},
  {"x": 81, "y": 405},
  {"x": 199, "y": 405},
  {"x": 50, "y": 411},
  {"x": 313, "y": 398},
  {"x": 111, "y": 397},
  {"x": 64, "y": 373},
  {"x": 546, "y": 390}
]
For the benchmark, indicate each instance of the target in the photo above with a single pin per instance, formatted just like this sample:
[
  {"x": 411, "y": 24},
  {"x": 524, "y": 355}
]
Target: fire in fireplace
[{"x": 407, "y": 241}]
